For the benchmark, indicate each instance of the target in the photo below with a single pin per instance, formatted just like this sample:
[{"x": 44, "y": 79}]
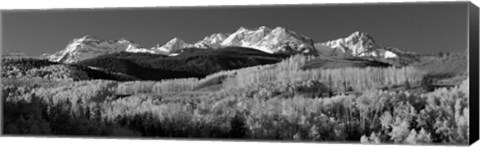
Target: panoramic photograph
[{"x": 323, "y": 73}]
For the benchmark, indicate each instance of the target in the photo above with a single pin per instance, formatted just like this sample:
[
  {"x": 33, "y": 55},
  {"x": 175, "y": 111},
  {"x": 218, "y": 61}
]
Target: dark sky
[{"x": 416, "y": 27}]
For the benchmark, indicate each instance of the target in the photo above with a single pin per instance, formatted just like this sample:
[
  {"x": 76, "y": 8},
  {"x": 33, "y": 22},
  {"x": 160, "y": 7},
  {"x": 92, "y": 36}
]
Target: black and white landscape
[{"x": 262, "y": 82}]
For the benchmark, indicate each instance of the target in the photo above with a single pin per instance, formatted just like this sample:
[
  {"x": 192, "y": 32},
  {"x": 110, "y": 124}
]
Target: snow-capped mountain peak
[
  {"x": 262, "y": 38},
  {"x": 356, "y": 44},
  {"x": 86, "y": 38},
  {"x": 89, "y": 46},
  {"x": 361, "y": 37},
  {"x": 276, "y": 40},
  {"x": 175, "y": 40},
  {"x": 241, "y": 29},
  {"x": 212, "y": 41},
  {"x": 174, "y": 45},
  {"x": 360, "y": 34},
  {"x": 270, "y": 40}
]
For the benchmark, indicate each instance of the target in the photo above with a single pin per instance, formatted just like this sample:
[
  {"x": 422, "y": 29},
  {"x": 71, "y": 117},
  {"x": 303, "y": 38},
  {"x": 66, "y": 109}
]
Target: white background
[{"x": 89, "y": 142}]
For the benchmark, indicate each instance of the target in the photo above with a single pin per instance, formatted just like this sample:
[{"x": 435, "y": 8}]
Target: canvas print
[{"x": 347, "y": 73}]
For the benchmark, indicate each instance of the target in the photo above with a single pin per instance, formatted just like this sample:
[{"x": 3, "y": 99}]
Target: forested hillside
[
  {"x": 299, "y": 98},
  {"x": 191, "y": 62},
  {"x": 328, "y": 62},
  {"x": 27, "y": 67}
]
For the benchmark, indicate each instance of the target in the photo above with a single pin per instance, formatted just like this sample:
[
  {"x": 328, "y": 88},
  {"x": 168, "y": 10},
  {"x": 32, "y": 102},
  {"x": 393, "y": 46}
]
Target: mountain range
[{"x": 273, "y": 41}]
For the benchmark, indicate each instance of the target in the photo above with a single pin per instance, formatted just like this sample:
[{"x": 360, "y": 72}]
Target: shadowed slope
[{"x": 192, "y": 62}]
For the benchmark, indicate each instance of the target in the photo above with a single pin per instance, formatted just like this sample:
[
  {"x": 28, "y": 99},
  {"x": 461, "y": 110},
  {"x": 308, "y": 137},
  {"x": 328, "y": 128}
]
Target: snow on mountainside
[
  {"x": 89, "y": 47},
  {"x": 212, "y": 41},
  {"x": 359, "y": 44},
  {"x": 172, "y": 46},
  {"x": 278, "y": 40}
]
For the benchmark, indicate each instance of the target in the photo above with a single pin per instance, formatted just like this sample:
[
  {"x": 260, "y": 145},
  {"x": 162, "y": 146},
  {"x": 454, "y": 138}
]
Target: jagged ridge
[
  {"x": 358, "y": 44},
  {"x": 277, "y": 40}
]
